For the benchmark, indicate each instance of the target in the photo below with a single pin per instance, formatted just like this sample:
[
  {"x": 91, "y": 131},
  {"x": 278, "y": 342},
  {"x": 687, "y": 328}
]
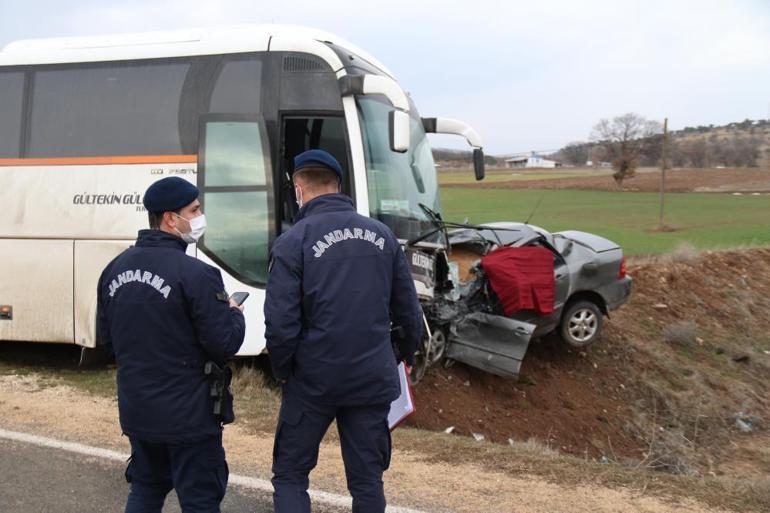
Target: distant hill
[
  {"x": 748, "y": 125},
  {"x": 746, "y": 143},
  {"x": 739, "y": 144}
]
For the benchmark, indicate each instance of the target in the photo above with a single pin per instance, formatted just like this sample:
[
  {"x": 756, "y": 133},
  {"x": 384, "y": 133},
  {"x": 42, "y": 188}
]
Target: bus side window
[
  {"x": 239, "y": 86},
  {"x": 308, "y": 133},
  {"x": 97, "y": 109},
  {"x": 11, "y": 94}
]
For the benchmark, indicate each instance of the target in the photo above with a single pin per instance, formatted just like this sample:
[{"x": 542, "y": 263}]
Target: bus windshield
[{"x": 399, "y": 182}]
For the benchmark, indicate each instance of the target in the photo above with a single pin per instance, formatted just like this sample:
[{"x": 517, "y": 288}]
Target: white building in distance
[{"x": 531, "y": 161}]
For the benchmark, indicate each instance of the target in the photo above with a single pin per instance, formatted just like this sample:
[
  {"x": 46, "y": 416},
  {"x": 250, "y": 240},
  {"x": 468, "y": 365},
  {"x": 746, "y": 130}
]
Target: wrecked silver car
[{"x": 498, "y": 286}]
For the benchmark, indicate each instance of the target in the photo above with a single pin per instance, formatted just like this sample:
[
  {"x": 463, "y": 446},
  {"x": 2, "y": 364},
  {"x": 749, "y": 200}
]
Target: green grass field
[{"x": 629, "y": 218}]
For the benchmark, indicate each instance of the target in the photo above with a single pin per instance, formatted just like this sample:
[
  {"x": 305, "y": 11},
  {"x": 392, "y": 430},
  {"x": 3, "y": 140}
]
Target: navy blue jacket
[
  {"x": 336, "y": 281},
  {"x": 164, "y": 314}
]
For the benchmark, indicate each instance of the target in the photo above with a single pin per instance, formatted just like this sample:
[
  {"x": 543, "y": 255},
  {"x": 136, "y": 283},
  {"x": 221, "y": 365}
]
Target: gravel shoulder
[{"x": 31, "y": 404}]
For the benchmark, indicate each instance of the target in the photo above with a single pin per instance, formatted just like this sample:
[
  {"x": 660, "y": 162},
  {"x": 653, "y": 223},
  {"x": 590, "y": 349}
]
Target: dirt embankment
[
  {"x": 678, "y": 382},
  {"x": 748, "y": 180}
]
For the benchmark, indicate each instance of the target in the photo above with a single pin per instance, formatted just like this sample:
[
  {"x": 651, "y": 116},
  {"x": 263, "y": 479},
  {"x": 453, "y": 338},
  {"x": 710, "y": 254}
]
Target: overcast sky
[{"x": 529, "y": 75}]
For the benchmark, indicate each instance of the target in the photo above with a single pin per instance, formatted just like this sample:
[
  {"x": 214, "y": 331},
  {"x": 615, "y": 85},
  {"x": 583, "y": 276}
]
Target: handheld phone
[{"x": 239, "y": 297}]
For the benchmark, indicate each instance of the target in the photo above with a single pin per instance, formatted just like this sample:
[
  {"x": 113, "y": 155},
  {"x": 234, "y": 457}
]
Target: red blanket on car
[{"x": 522, "y": 278}]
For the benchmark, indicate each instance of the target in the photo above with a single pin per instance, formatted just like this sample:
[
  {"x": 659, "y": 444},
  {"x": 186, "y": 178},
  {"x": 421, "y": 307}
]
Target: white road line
[{"x": 253, "y": 483}]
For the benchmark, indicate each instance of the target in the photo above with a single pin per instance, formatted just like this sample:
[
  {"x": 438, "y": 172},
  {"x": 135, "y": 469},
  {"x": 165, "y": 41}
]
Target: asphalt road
[{"x": 37, "y": 479}]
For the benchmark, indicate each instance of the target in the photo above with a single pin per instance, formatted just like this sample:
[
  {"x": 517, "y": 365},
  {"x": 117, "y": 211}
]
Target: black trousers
[
  {"x": 198, "y": 471},
  {"x": 366, "y": 447}
]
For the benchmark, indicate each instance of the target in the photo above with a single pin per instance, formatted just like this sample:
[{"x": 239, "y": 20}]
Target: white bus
[{"x": 87, "y": 124}]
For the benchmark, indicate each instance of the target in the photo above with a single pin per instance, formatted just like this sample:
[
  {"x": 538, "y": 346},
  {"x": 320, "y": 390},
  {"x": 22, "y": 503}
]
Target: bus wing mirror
[
  {"x": 478, "y": 163},
  {"x": 457, "y": 127},
  {"x": 398, "y": 122}
]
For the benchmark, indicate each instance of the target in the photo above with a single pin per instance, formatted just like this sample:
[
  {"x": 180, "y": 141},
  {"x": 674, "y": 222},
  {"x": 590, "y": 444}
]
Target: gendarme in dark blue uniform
[
  {"x": 164, "y": 314},
  {"x": 337, "y": 280}
]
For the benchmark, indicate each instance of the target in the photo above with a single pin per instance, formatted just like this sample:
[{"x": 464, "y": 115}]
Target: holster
[
  {"x": 220, "y": 376},
  {"x": 397, "y": 335}
]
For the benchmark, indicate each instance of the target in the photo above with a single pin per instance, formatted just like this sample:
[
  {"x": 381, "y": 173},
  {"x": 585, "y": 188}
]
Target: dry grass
[
  {"x": 257, "y": 404},
  {"x": 257, "y": 399},
  {"x": 682, "y": 333},
  {"x": 688, "y": 400},
  {"x": 683, "y": 253},
  {"x": 536, "y": 458},
  {"x": 685, "y": 418}
]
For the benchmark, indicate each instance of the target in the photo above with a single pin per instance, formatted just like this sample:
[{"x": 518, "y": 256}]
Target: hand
[{"x": 236, "y": 305}]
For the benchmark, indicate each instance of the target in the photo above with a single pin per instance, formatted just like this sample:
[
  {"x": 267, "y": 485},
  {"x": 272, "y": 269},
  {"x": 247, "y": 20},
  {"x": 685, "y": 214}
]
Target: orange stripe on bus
[{"x": 93, "y": 161}]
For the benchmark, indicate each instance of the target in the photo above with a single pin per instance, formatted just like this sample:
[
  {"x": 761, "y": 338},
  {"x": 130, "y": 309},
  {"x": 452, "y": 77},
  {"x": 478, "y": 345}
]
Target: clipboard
[{"x": 403, "y": 406}]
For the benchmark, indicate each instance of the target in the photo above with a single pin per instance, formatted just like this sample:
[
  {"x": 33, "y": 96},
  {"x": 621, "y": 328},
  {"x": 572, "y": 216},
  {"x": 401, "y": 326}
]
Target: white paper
[{"x": 403, "y": 406}]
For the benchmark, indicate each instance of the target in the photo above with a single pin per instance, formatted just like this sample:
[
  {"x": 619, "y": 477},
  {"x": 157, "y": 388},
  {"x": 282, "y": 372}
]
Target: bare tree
[
  {"x": 677, "y": 153},
  {"x": 696, "y": 152},
  {"x": 746, "y": 150},
  {"x": 652, "y": 152},
  {"x": 625, "y": 139},
  {"x": 736, "y": 151},
  {"x": 576, "y": 153},
  {"x": 597, "y": 155}
]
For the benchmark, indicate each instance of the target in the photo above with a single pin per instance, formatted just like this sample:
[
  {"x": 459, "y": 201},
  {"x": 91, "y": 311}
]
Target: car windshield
[{"x": 399, "y": 182}]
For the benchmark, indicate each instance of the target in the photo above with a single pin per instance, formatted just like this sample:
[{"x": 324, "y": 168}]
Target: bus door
[
  {"x": 236, "y": 194},
  {"x": 300, "y": 133}
]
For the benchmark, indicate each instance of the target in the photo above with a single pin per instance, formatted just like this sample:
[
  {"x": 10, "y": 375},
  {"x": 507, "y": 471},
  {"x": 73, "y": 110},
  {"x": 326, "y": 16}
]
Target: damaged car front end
[{"x": 582, "y": 279}]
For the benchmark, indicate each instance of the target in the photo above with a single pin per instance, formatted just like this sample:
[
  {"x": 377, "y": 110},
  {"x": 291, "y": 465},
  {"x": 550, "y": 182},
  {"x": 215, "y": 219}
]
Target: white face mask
[
  {"x": 197, "y": 229},
  {"x": 298, "y": 195}
]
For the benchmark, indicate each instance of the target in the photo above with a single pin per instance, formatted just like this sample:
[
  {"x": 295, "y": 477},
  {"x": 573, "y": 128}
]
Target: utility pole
[{"x": 663, "y": 167}]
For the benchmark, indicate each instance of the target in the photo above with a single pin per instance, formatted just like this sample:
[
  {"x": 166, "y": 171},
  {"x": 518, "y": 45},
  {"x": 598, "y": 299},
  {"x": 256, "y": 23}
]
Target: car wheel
[
  {"x": 430, "y": 352},
  {"x": 581, "y": 324}
]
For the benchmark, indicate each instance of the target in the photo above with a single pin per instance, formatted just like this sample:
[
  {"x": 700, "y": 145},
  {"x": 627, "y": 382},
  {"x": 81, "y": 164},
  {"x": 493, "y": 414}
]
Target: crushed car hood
[
  {"x": 500, "y": 233},
  {"x": 589, "y": 240},
  {"x": 505, "y": 233}
]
